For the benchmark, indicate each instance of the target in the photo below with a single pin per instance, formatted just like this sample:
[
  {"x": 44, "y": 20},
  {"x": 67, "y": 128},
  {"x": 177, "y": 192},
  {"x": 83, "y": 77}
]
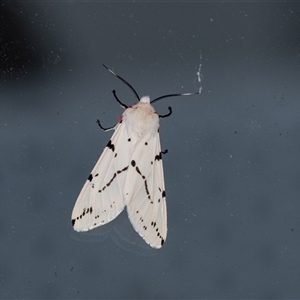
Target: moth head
[{"x": 145, "y": 99}]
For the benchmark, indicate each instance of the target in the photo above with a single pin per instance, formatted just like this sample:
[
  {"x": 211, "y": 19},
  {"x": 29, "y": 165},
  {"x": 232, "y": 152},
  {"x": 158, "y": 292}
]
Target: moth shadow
[{"x": 121, "y": 232}]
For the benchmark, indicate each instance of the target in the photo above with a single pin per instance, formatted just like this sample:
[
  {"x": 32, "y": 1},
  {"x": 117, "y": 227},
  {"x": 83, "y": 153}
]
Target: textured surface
[{"x": 231, "y": 173}]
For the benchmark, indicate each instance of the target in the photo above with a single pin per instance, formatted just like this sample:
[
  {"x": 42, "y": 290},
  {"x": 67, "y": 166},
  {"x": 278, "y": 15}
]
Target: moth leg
[
  {"x": 103, "y": 128},
  {"x": 168, "y": 114}
]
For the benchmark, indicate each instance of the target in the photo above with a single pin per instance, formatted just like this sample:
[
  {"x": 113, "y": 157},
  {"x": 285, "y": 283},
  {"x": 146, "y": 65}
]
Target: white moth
[{"x": 128, "y": 173}]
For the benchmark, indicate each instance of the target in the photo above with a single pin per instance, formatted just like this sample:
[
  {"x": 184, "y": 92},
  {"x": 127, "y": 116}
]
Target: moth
[{"x": 129, "y": 173}]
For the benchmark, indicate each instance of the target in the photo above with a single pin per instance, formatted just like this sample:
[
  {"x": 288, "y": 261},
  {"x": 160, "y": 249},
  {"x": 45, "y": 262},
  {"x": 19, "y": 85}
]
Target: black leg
[
  {"x": 167, "y": 115},
  {"x": 105, "y": 129}
]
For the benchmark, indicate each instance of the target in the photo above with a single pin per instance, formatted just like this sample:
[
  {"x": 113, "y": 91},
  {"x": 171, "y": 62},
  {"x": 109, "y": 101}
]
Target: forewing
[
  {"x": 101, "y": 198},
  {"x": 144, "y": 191}
]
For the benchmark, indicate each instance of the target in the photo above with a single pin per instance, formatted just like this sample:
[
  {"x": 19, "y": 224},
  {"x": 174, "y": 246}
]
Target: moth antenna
[
  {"x": 174, "y": 95},
  {"x": 130, "y": 86},
  {"x": 122, "y": 104}
]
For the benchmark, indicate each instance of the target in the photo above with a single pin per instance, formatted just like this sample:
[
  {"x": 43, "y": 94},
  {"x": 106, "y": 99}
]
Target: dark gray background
[{"x": 232, "y": 171}]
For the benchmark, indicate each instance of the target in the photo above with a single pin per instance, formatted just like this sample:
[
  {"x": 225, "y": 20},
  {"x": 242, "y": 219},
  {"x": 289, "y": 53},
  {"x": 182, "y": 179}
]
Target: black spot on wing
[
  {"x": 138, "y": 170},
  {"x": 111, "y": 146},
  {"x": 158, "y": 157},
  {"x": 146, "y": 187},
  {"x": 120, "y": 171},
  {"x": 113, "y": 178},
  {"x": 84, "y": 212},
  {"x": 133, "y": 164},
  {"x": 90, "y": 178}
]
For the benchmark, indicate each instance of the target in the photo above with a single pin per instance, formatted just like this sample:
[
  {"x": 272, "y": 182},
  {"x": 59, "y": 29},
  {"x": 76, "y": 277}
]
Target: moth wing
[
  {"x": 144, "y": 191},
  {"x": 101, "y": 198}
]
